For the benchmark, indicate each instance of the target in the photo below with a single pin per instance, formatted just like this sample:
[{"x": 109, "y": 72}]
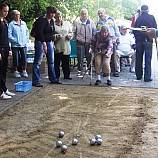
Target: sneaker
[
  {"x": 4, "y": 96},
  {"x": 98, "y": 82},
  {"x": 79, "y": 73},
  {"x": 16, "y": 74},
  {"x": 132, "y": 69},
  {"x": 24, "y": 74},
  {"x": 9, "y": 93},
  {"x": 109, "y": 82}
]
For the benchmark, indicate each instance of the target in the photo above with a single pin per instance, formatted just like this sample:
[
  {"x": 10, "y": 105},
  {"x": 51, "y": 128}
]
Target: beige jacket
[{"x": 63, "y": 44}]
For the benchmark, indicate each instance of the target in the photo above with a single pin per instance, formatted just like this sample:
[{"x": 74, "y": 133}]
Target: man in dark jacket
[{"x": 144, "y": 44}]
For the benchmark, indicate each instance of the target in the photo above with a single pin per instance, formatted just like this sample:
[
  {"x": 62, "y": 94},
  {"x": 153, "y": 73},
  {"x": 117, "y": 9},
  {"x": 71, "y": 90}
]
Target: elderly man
[
  {"x": 83, "y": 30},
  {"x": 113, "y": 28},
  {"x": 144, "y": 44},
  {"x": 101, "y": 45}
]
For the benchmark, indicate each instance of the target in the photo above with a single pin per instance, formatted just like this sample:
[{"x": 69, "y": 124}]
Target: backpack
[{"x": 33, "y": 30}]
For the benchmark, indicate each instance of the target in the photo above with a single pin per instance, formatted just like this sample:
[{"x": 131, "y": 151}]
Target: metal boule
[
  {"x": 99, "y": 141},
  {"x": 59, "y": 143},
  {"x": 74, "y": 141},
  {"x": 92, "y": 141},
  {"x": 98, "y": 137},
  {"x": 61, "y": 134},
  {"x": 63, "y": 148}
]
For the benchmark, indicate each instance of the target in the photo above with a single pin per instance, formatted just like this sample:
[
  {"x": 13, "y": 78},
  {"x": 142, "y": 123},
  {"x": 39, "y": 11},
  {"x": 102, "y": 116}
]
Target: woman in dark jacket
[
  {"x": 4, "y": 52},
  {"x": 44, "y": 38}
]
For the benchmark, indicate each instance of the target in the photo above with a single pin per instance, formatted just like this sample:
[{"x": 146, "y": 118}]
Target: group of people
[{"x": 104, "y": 39}]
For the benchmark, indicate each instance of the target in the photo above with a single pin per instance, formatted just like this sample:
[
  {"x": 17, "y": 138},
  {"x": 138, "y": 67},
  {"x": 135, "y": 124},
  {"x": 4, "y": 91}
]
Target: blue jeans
[
  {"x": 141, "y": 48},
  {"x": 19, "y": 52},
  {"x": 38, "y": 59}
]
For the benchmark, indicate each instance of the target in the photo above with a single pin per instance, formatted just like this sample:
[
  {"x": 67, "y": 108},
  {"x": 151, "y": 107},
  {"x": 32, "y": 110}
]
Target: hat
[
  {"x": 144, "y": 8},
  {"x": 104, "y": 28},
  {"x": 123, "y": 27}
]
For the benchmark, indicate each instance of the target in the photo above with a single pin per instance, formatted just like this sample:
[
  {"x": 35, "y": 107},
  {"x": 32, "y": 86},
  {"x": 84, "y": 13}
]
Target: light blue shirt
[{"x": 18, "y": 34}]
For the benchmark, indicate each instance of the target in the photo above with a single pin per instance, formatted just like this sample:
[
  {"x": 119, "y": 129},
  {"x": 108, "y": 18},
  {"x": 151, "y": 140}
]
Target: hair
[
  {"x": 3, "y": 5},
  {"x": 13, "y": 12},
  {"x": 83, "y": 9},
  {"x": 102, "y": 9},
  {"x": 51, "y": 9},
  {"x": 58, "y": 13},
  {"x": 104, "y": 28}
]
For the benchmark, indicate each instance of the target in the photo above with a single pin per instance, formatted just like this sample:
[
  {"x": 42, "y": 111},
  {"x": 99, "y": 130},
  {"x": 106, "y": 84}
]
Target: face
[
  {"x": 84, "y": 14},
  {"x": 58, "y": 18},
  {"x": 16, "y": 15},
  {"x": 123, "y": 32},
  {"x": 105, "y": 33},
  {"x": 4, "y": 12},
  {"x": 101, "y": 14},
  {"x": 50, "y": 15}
]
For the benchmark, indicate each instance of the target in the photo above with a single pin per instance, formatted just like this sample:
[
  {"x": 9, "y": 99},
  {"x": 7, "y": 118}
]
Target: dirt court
[{"x": 126, "y": 118}]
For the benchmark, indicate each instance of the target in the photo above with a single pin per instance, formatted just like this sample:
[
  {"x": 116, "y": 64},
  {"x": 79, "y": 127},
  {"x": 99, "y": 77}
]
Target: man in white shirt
[{"x": 126, "y": 47}]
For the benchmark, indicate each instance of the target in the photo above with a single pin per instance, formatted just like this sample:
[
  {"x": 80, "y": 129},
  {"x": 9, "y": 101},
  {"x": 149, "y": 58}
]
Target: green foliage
[{"x": 31, "y": 9}]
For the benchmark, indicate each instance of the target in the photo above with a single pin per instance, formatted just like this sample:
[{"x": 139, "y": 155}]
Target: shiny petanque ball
[
  {"x": 74, "y": 141},
  {"x": 59, "y": 143},
  {"x": 92, "y": 141},
  {"x": 98, "y": 137},
  {"x": 61, "y": 134},
  {"x": 99, "y": 141},
  {"x": 63, "y": 148}
]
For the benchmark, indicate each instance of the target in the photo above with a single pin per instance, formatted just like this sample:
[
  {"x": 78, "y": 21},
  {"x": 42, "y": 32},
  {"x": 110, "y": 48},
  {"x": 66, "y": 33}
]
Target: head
[
  {"x": 3, "y": 10},
  {"x": 58, "y": 16},
  {"x": 123, "y": 30},
  {"x": 144, "y": 9},
  {"x": 50, "y": 12},
  {"x": 15, "y": 15},
  {"x": 102, "y": 13},
  {"x": 84, "y": 14},
  {"x": 104, "y": 30}
]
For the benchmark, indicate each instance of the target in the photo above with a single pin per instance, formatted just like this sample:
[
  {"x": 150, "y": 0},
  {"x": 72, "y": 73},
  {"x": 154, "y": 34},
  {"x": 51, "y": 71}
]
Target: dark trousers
[
  {"x": 143, "y": 48},
  {"x": 3, "y": 69},
  {"x": 60, "y": 57}
]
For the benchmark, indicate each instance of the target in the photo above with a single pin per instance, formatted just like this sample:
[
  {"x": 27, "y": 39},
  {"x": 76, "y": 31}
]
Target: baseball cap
[
  {"x": 144, "y": 8},
  {"x": 123, "y": 27}
]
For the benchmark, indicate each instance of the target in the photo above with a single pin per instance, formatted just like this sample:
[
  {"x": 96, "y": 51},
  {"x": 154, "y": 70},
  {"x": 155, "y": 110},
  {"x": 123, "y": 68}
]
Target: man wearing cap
[
  {"x": 126, "y": 47},
  {"x": 113, "y": 28},
  {"x": 101, "y": 45},
  {"x": 144, "y": 44}
]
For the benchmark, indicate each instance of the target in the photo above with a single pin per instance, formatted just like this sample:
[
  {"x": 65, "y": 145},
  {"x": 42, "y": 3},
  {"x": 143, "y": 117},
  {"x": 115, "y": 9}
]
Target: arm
[
  {"x": 10, "y": 32},
  {"x": 74, "y": 30}
]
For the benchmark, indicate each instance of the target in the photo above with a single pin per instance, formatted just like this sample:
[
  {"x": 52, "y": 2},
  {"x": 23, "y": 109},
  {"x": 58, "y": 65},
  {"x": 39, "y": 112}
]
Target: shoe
[
  {"x": 109, "y": 82},
  {"x": 57, "y": 82},
  {"x": 9, "y": 93},
  {"x": 16, "y": 74},
  {"x": 24, "y": 74},
  {"x": 68, "y": 78},
  {"x": 4, "y": 96},
  {"x": 148, "y": 80},
  {"x": 132, "y": 69},
  {"x": 87, "y": 72},
  {"x": 97, "y": 82},
  {"x": 116, "y": 74},
  {"x": 138, "y": 78},
  {"x": 37, "y": 85},
  {"x": 79, "y": 73},
  {"x": 128, "y": 64}
]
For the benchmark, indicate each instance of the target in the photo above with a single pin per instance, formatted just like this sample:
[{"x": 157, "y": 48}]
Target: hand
[
  {"x": 108, "y": 54},
  {"x": 68, "y": 37},
  {"x": 59, "y": 36},
  {"x": 151, "y": 33},
  {"x": 0, "y": 57},
  {"x": 10, "y": 53},
  {"x": 117, "y": 41},
  {"x": 90, "y": 51},
  {"x": 44, "y": 47}
]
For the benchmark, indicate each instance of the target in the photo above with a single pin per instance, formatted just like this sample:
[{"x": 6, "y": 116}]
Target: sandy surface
[{"x": 126, "y": 118}]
